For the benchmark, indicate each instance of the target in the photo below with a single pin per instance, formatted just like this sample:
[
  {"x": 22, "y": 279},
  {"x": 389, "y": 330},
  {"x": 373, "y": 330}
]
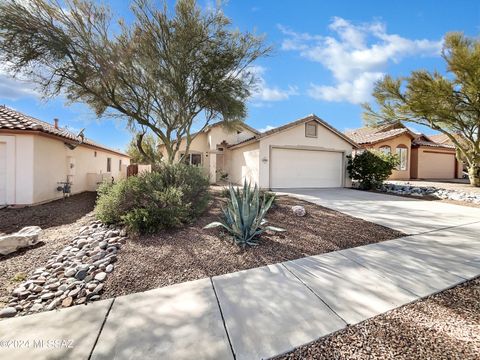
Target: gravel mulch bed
[
  {"x": 52, "y": 214},
  {"x": 59, "y": 220},
  {"x": 191, "y": 252},
  {"x": 442, "y": 326}
]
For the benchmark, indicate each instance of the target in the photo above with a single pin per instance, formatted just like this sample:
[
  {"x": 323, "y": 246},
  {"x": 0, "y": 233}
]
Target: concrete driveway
[{"x": 410, "y": 216}]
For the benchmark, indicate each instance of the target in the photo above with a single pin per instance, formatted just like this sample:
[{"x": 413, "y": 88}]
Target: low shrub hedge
[{"x": 170, "y": 197}]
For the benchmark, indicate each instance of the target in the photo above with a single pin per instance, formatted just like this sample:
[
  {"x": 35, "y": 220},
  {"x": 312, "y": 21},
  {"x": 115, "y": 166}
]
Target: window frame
[
  {"x": 385, "y": 147},
  {"x": 189, "y": 159},
  {"x": 315, "y": 125},
  {"x": 402, "y": 166}
]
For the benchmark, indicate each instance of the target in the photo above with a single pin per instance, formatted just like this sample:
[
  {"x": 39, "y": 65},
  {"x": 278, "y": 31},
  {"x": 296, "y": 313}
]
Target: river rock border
[
  {"x": 73, "y": 276},
  {"x": 431, "y": 191}
]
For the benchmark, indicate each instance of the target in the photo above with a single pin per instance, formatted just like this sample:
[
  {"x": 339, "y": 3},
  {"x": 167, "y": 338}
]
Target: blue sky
[{"x": 327, "y": 54}]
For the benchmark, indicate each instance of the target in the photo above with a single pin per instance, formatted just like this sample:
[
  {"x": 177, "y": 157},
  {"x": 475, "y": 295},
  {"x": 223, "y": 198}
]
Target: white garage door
[
  {"x": 292, "y": 168},
  {"x": 3, "y": 173}
]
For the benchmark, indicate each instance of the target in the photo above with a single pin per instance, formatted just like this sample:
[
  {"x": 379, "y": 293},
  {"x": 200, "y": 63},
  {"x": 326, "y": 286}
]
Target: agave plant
[{"x": 244, "y": 216}]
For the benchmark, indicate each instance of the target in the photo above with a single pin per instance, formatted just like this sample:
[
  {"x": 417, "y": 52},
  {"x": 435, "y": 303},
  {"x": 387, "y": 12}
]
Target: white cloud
[
  {"x": 264, "y": 93},
  {"x": 266, "y": 128},
  {"x": 14, "y": 89},
  {"x": 357, "y": 56}
]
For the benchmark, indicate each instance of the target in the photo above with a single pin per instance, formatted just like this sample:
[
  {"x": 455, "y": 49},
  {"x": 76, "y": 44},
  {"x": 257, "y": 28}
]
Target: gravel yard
[
  {"x": 58, "y": 219},
  {"x": 50, "y": 215},
  {"x": 191, "y": 252},
  {"x": 442, "y": 326}
]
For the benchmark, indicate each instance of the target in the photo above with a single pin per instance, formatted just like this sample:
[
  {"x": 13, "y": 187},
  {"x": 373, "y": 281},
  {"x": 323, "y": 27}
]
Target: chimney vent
[{"x": 55, "y": 121}]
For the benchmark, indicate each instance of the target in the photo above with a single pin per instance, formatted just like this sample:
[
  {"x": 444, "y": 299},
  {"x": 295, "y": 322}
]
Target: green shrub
[
  {"x": 170, "y": 197},
  {"x": 371, "y": 168},
  {"x": 244, "y": 216}
]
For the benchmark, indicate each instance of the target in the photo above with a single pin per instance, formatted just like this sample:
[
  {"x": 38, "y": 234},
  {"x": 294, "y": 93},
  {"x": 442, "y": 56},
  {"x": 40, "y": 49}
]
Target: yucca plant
[{"x": 244, "y": 216}]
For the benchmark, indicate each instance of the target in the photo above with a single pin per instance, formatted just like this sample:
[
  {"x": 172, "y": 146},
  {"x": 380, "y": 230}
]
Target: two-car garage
[{"x": 305, "y": 168}]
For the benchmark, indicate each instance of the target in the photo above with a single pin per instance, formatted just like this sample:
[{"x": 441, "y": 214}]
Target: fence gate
[{"x": 132, "y": 170}]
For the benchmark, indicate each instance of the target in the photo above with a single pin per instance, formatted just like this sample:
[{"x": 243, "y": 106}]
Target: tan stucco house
[
  {"x": 35, "y": 156},
  {"x": 421, "y": 157},
  {"x": 306, "y": 153}
]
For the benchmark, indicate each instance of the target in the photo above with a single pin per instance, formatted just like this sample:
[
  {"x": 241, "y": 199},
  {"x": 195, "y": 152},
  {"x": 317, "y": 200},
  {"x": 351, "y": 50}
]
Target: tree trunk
[{"x": 474, "y": 175}]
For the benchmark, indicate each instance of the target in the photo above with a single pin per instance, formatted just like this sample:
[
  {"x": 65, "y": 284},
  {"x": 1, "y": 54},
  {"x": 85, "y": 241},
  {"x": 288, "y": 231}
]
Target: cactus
[{"x": 244, "y": 215}]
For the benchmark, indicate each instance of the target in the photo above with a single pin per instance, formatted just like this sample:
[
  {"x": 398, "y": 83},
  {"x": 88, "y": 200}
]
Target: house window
[
  {"x": 311, "y": 130},
  {"x": 385, "y": 149},
  {"x": 193, "y": 159},
  {"x": 120, "y": 165},
  {"x": 402, "y": 153},
  {"x": 94, "y": 154},
  {"x": 109, "y": 164}
]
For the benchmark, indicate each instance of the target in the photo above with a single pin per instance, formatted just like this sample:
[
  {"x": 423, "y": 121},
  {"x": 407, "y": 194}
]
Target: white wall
[
  {"x": 244, "y": 164},
  {"x": 52, "y": 161},
  {"x": 295, "y": 136}
]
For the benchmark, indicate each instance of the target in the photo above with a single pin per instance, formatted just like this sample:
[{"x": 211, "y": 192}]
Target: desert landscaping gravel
[
  {"x": 442, "y": 326},
  {"x": 191, "y": 252},
  {"x": 58, "y": 220}
]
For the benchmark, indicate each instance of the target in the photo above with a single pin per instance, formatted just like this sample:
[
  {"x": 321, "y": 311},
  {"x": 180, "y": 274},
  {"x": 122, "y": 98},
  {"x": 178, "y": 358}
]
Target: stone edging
[
  {"x": 431, "y": 191},
  {"x": 72, "y": 277}
]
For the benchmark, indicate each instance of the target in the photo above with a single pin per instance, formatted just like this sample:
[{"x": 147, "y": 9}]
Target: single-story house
[
  {"x": 37, "y": 157},
  {"x": 421, "y": 157},
  {"x": 306, "y": 153}
]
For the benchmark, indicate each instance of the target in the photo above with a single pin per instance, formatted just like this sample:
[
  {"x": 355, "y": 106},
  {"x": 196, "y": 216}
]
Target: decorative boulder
[
  {"x": 28, "y": 236},
  {"x": 299, "y": 210}
]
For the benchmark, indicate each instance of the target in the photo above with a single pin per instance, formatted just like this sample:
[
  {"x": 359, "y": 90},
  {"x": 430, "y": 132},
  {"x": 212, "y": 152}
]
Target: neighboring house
[
  {"x": 307, "y": 153},
  {"x": 35, "y": 157},
  {"x": 421, "y": 157}
]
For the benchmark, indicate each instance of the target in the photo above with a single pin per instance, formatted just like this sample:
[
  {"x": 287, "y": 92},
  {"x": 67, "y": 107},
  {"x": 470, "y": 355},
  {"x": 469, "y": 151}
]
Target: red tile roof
[
  {"x": 13, "y": 120},
  {"x": 419, "y": 142},
  {"x": 374, "y": 135}
]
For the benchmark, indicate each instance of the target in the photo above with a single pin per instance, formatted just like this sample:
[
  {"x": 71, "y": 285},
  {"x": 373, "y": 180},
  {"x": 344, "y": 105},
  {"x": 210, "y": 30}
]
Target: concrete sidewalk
[{"x": 257, "y": 313}]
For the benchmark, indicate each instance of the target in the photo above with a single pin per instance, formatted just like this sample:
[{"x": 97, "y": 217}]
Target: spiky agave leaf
[{"x": 244, "y": 215}]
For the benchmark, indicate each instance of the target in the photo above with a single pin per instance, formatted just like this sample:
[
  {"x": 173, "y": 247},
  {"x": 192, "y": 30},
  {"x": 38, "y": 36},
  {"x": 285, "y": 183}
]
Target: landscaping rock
[
  {"x": 299, "y": 210},
  {"x": 68, "y": 301},
  {"x": 70, "y": 272},
  {"x": 80, "y": 275},
  {"x": 28, "y": 236},
  {"x": 449, "y": 194},
  {"x": 100, "y": 276},
  {"x": 36, "y": 307},
  {"x": 73, "y": 275},
  {"x": 8, "y": 312}
]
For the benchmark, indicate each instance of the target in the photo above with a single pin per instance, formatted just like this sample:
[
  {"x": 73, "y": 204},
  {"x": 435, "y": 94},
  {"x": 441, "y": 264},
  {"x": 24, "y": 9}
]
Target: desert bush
[
  {"x": 371, "y": 168},
  {"x": 170, "y": 197},
  {"x": 244, "y": 215}
]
